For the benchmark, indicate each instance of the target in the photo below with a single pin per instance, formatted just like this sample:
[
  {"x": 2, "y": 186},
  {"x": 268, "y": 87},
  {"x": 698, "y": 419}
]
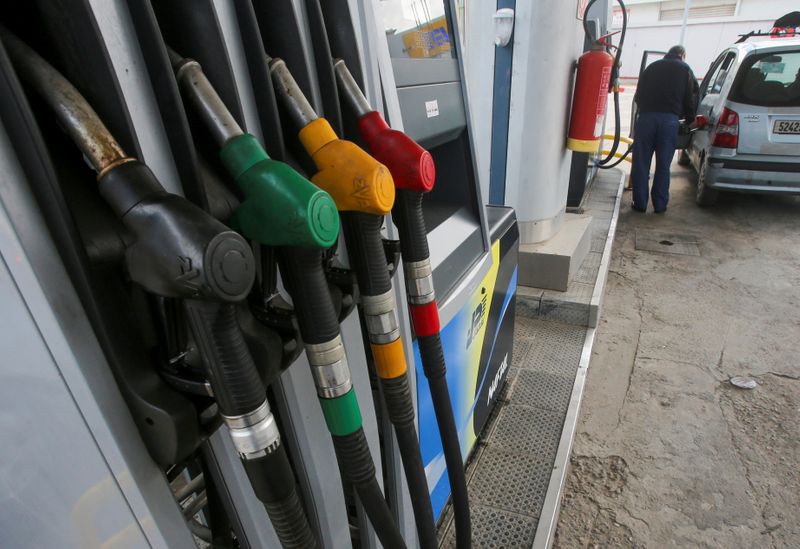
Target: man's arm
[{"x": 690, "y": 97}]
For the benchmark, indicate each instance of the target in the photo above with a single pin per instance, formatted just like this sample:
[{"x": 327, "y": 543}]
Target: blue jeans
[{"x": 656, "y": 132}]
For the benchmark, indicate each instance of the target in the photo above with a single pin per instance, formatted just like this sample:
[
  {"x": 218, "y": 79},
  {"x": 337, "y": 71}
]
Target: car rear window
[{"x": 769, "y": 79}]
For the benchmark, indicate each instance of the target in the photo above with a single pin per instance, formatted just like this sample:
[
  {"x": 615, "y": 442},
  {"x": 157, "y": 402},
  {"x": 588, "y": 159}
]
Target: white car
[{"x": 751, "y": 101}]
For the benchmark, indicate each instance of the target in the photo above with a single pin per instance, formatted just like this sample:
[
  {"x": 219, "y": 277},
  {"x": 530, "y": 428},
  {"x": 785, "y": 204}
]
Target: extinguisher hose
[
  {"x": 367, "y": 257},
  {"x": 408, "y": 216},
  {"x": 604, "y": 163}
]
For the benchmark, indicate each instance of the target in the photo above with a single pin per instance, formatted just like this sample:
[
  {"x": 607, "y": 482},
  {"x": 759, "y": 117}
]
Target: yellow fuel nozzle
[{"x": 356, "y": 181}]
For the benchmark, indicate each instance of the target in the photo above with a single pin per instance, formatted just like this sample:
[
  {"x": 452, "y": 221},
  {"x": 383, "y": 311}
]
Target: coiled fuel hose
[
  {"x": 300, "y": 262},
  {"x": 363, "y": 191},
  {"x": 216, "y": 270},
  {"x": 414, "y": 174}
]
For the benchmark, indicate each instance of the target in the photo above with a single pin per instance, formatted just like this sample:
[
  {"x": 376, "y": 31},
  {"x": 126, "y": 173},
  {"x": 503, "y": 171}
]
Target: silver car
[{"x": 751, "y": 101}]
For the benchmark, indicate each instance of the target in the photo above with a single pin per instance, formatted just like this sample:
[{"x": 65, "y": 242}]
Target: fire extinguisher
[
  {"x": 589, "y": 100},
  {"x": 598, "y": 74}
]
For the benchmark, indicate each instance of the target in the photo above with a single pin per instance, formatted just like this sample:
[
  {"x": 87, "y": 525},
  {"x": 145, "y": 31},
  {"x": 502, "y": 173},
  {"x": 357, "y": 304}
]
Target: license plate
[{"x": 791, "y": 127}]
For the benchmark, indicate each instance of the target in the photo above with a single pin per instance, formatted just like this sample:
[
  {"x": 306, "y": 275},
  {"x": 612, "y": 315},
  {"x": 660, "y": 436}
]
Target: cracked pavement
[{"x": 668, "y": 453}]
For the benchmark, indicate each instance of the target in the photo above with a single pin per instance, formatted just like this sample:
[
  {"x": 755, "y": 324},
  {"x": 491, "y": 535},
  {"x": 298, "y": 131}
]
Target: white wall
[
  {"x": 704, "y": 38},
  {"x": 547, "y": 42}
]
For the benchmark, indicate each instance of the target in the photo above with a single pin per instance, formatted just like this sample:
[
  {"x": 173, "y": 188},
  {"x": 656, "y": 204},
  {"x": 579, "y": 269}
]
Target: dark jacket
[{"x": 668, "y": 85}]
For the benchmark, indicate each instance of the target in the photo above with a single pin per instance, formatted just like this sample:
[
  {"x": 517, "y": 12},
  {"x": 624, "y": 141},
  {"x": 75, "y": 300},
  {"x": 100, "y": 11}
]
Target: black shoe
[
  {"x": 660, "y": 211},
  {"x": 640, "y": 210}
]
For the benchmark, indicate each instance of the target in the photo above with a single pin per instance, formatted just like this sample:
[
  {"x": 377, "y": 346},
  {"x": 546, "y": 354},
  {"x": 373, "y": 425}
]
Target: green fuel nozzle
[{"x": 281, "y": 207}]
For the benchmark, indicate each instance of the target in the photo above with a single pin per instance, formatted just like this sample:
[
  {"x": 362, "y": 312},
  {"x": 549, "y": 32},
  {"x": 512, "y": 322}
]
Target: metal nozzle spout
[
  {"x": 349, "y": 88},
  {"x": 75, "y": 114},
  {"x": 290, "y": 94},
  {"x": 207, "y": 103}
]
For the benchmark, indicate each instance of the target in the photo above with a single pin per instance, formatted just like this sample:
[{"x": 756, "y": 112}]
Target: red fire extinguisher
[{"x": 589, "y": 101}]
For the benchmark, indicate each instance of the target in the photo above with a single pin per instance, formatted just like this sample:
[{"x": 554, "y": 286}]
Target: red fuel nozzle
[{"x": 411, "y": 166}]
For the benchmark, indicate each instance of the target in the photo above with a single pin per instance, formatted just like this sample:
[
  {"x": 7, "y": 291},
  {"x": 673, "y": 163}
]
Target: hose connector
[
  {"x": 329, "y": 368},
  {"x": 380, "y": 315},
  {"x": 255, "y": 434},
  {"x": 419, "y": 282}
]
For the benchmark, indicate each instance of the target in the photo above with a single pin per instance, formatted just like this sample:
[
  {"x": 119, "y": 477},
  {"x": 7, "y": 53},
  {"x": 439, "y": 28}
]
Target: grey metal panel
[
  {"x": 455, "y": 245},
  {"x": 226, "y": 15},
  {"x": 73, "y": 469},
  {"x": 418, "y": 72},
  {"x": 47, "y": 501},
  {"x": 116, "y": 27},
  {"x": 431, "y": 130}
]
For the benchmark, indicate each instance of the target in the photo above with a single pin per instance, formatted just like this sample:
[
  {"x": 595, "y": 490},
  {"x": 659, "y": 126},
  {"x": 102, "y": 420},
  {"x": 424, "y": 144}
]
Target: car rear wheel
[
  {"x": 684, "y": 160},
  {"x": 706, "y": 196}
]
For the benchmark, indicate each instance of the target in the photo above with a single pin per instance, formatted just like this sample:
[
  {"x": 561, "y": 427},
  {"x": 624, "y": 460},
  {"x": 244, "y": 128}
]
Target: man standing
[{"x": 667, "y": 91}]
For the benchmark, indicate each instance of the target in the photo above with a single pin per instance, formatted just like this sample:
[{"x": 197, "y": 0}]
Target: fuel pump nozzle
[
  {"x": 414, "y": 174},
  {"x": 346, "y": 171},
  {"x": 177, "y": 250},
  {"x": 174, "y": 249},
  {"x": 280, "y": 205},
  {"x": 352, "y": 177}
]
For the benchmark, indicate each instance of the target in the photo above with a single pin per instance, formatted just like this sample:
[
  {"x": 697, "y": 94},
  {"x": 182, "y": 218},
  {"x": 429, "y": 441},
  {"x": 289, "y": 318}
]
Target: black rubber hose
[
  {"x": 619, "y": 160},
  {"x": 355, "y": 462},
  {"x": 430, "y": 348},
  {"x": 305, "y": 281},
  {"x": 237, "y": 386},
  {"x": 617, "y": 132},
  {"x": 407, "y": 215},
  {"x": 238, "y": 390},
  {"x": 365, "y": 249},
  {"x": 397, "y": 395},
  {"x": 273, "y": 481}
]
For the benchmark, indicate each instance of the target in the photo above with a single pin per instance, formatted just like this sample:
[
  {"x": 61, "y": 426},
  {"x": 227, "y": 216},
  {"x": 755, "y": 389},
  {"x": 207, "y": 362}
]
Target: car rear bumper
[{"x": 750, "y": 176}]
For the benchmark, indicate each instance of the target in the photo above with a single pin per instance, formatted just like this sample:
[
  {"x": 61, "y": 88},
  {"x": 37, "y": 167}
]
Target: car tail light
[{"x": 726, "y": 134}]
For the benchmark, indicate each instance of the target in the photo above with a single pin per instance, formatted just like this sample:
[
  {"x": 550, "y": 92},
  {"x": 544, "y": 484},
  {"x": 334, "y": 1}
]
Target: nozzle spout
[
  {"x": 76, "y": 116},
  {"x": 290, "y": 94},
  {"x": 349, "y": 89},
  {"x": 198, "y": 90}
]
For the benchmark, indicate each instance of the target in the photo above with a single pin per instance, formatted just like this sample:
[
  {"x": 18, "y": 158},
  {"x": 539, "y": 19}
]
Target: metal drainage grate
[
  {"x": 528, "y": 430},
  {"x": 511, "y": 481},
  {"x": 665, "y": 243},
  {"x": 555, "y": 348},
  {"x": 543, "y": 390},
  {"x": 496, "y": 529}
]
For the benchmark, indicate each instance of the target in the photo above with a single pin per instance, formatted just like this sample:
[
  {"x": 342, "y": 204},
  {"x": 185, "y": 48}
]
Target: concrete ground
[{"x": 669, "y": 453}]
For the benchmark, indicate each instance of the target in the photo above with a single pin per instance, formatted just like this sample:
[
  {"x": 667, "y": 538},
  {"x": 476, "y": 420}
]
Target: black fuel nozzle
[{"x": 176, "y": 249}]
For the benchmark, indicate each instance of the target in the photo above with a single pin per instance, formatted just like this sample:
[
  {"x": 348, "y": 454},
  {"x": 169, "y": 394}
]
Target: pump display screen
[{"x": 416, "y": 29}]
